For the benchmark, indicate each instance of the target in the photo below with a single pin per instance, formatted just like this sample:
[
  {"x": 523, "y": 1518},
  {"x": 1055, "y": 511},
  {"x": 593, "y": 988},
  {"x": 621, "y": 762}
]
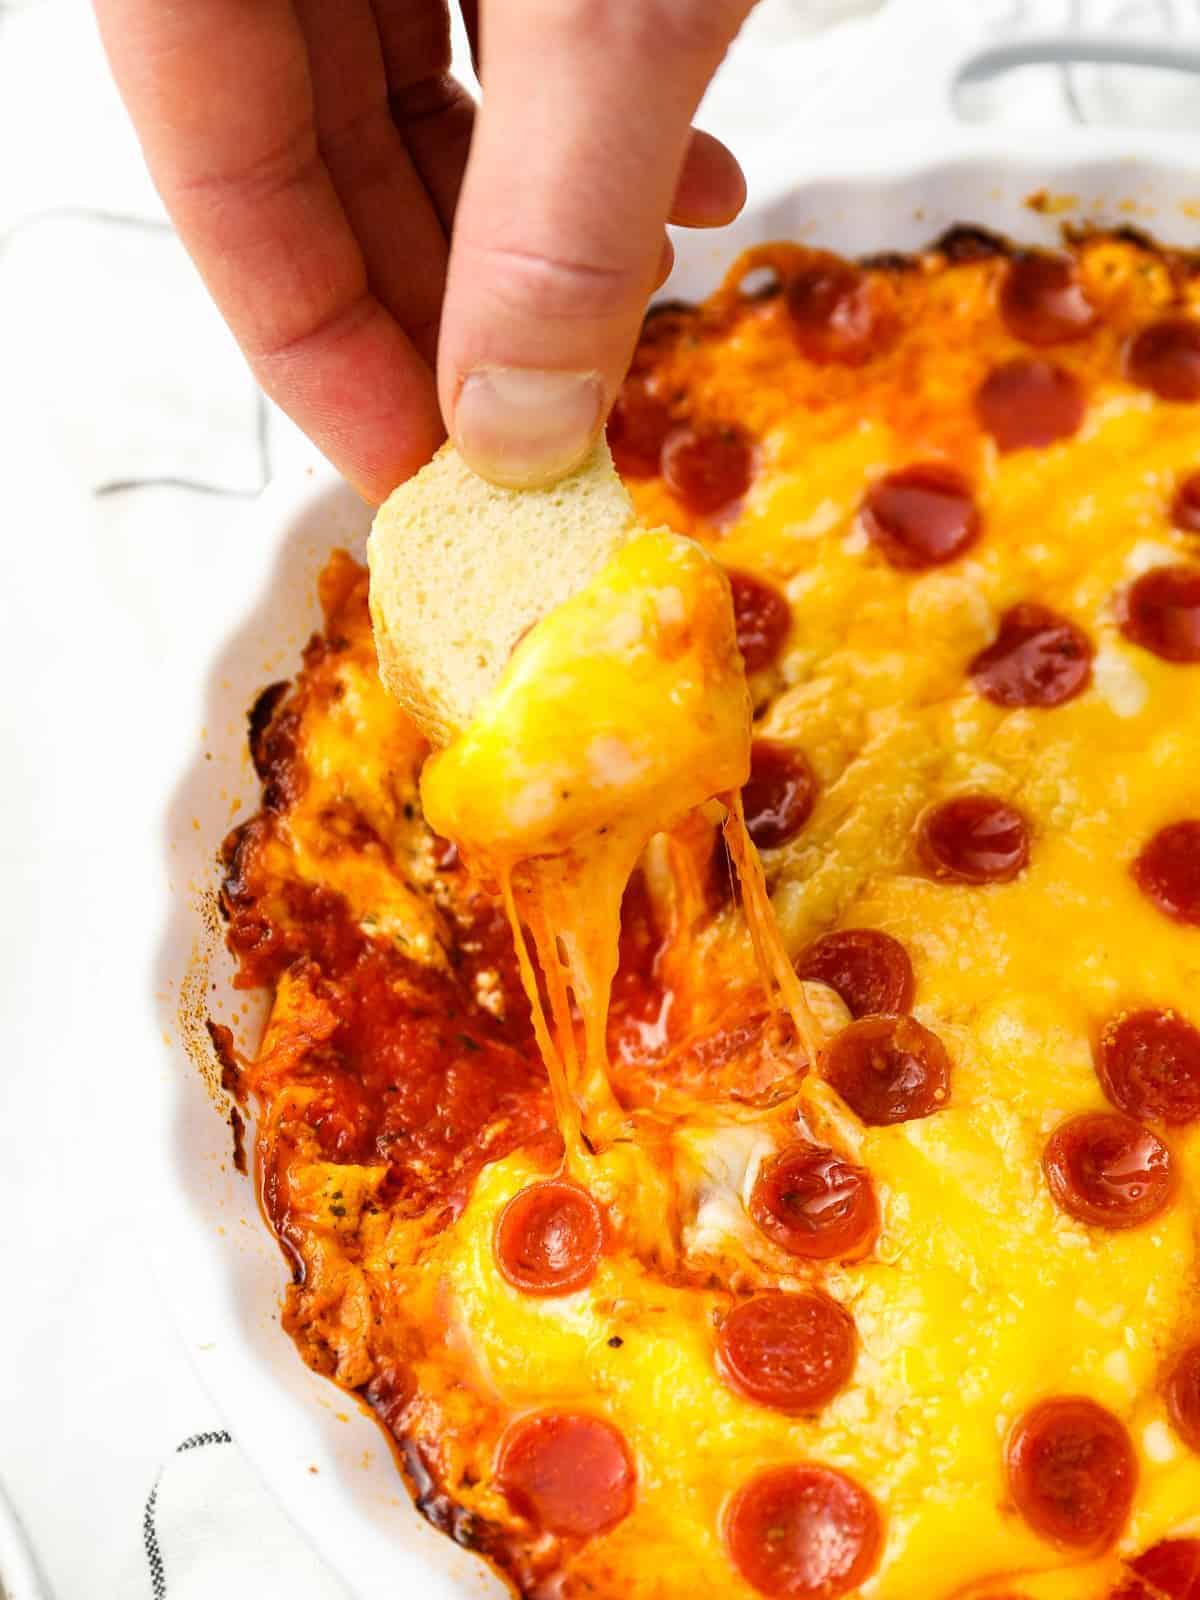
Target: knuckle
[{"x": 561, "y": 288}]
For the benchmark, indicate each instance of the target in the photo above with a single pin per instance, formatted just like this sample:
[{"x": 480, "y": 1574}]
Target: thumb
[{"x": 579, "y": 151}]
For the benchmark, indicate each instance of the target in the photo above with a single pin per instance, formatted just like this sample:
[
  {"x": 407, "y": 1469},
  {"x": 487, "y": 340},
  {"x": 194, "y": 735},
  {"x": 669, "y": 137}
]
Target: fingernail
[{"x": 521, "y": 428}]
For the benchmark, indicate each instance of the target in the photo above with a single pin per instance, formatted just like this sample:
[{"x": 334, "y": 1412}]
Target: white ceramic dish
[{"x": 222, "y": 1273}]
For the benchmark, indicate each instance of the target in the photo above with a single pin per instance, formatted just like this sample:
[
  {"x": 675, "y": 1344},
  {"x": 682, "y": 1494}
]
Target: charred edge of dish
[
  {"x": 227, "y": 1058},
  {"x": 237, "y": 854},
  {"x": 889, "y": 261},
  {"x": 965, "y": 242},
  {"x": 237, "y": 1126},
  {"x": 466, "y": 1528},
  {"x": 259, "y": 721}
]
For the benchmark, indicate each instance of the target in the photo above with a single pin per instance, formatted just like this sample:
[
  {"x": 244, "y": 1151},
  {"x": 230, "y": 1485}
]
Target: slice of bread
[{"x": 461, "y": 569}]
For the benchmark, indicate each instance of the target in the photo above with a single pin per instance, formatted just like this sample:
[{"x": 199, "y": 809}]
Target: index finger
[{"x": 222, "y": 99}]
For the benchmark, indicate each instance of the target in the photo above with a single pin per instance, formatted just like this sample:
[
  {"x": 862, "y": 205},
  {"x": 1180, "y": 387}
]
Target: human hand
[{"x": 313, "y": 156}]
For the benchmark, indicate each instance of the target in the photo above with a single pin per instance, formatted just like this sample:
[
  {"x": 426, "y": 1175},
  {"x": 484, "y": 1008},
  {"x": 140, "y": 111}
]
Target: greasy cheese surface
[
  {"x": 626, "y": 702},
  {"x": 403, "y": 1101}
]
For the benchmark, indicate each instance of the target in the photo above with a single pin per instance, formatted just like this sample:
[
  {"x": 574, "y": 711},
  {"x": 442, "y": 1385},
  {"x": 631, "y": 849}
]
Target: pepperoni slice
[
  {"x": 708, "y": 467},
  {"x": 1036, "y": 659},
  {"x": 1167, "y": 1571},
  {"x": 1161, "y": 612},
  {"x": 1168, "y": 871},
  {"x": 1108, "y": 1170},
  {"x": 792, "y": 1352},
  {"x": 1148, "y": 1064},
  {"x": 811, "y": 1203},
  {"x": 1026, "y": 404},
  {"x": 973, "y": 838},
  {"x": 838, "y": 313},
  {"x": 638, "y": 426},
  {"x": 888, "y": 1069},
  {"x": 803, "y": 1533},
  {"x": 549, "y": 1238},
  {"x": 870, "y": 970},
  {"x": 921, "y": 516},
  {"x": 1183, "y": 1397},
  {"x": 1072, "y": 1472},
  {"x": 763, "y": 618},
  {"x": 569, "y": 1473},
  {"x": 1165, "y": 358},
  {"x": 1042, "y": 300},
  {"x": 780, "y": 794},
  {"x": 1185, "y": 506}
]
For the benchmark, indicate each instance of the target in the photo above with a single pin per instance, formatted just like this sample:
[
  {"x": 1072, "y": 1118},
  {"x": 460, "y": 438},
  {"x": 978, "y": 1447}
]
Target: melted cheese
[
  {"x": 981, "y": 1297},
  {"x": 620, "y": 712}
]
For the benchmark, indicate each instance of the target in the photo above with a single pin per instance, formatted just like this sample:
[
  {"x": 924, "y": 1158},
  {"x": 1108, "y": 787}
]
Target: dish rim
[{"x": 283, "y": 1434}]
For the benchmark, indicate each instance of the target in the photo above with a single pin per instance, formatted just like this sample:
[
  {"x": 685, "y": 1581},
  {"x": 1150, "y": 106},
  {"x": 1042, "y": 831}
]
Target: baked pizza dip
[{"x": 878, "y": 1277}]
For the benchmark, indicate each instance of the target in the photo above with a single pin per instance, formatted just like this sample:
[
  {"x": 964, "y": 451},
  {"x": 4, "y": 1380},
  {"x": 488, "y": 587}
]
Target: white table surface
[{"x": 114, "y": 370}]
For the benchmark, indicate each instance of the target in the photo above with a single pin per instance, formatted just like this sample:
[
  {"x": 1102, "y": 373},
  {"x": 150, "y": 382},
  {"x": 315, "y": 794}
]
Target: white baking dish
[{"x": 222, "y": 1273}]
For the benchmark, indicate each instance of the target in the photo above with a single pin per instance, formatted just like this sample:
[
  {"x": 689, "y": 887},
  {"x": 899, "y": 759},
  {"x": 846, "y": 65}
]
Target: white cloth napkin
[{"x": 115, "y": 366}]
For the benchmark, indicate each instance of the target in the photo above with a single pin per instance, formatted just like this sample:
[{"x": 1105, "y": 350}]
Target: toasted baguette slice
[{"x": 460, "y": 570}]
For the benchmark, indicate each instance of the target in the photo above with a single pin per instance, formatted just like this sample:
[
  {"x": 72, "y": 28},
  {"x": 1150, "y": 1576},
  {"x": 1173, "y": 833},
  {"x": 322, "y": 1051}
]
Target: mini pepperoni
[
  {"x": 1072, "y": 1472},
  {"x": 638, "y": 426},
  {"x": 1168, "y": 871},
  {"x": 869, "y": 969},
  {"x": 811, "y": 1203},
  {"x": 1165, "y": 358},
  {"x": 1036, "y": 659},
  {"x": 1185, "y": 506},
  {"x": 569, "y": 1473},
  {"x": 1161, "y": 612},
  {"x": 763, "y": 618},
  {"x": 549, "y": 1238},
  {"x": 803, "y": 1533},
  {"x": 888, "y": 1069},
  {"x": 1183, "y": 1397},
  {"x": 1108, "y": 1170},
  {"x": 779, "y": 797},
  {"x": 1169, "y": 1570},
  {"x": 1148, "y": 1064},
  {"x": 921, "y": 516},
  {"x": 1042, "y": 300},
  {"x": 789, "y": 1351},
  {"x": 838, "y": 313},
  {"x": 973, "y": 838},
  {"x": 708, "y": 467},
  {"x": 1027, "y": 404}
]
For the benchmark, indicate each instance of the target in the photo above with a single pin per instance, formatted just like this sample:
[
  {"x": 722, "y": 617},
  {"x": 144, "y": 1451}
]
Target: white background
[{"x": 118, "y": 383}]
